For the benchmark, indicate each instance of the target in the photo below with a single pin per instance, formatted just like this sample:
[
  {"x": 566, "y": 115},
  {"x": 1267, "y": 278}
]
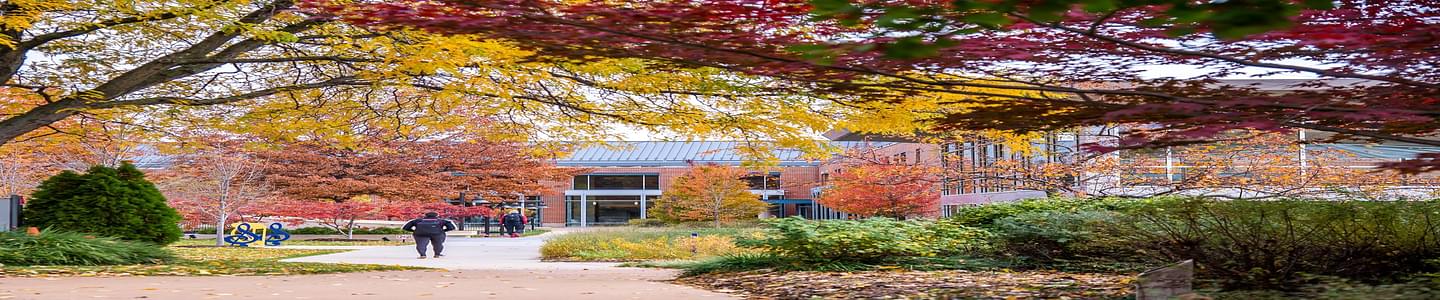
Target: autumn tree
[
  {"x": 405, "y": 210},
  {"x": 420, "y": 172},
  {"x": 20, "y": 172},
  {"x": 215, "y": 186},
  {"x": 1262, "y": 165},
  {"x": 412, "y": 170},
  {"x": 708, "y": 193},
  {"x": 336, "y": 215},
  {"x": 1074, "y": 62},
  {"x": 1247, "y": 164},
  {"x": 874, "y": 185},
  {"x": 267, "y": 68}
]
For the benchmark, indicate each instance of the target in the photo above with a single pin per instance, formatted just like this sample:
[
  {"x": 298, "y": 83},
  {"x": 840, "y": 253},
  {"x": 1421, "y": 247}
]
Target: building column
[
  {"x": 644, "y": 205},
  {"x": 584, "y": 207}
]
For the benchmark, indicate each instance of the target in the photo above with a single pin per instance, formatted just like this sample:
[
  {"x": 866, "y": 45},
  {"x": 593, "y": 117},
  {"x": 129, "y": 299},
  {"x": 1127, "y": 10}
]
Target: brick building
[{"x": 624, "y": 178}]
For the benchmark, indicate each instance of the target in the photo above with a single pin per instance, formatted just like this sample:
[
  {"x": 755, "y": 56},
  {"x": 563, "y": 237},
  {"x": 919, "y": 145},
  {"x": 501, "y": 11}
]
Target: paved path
[
  {"x": 487, "y": 268},
  {"x": 463, "y": 254}
]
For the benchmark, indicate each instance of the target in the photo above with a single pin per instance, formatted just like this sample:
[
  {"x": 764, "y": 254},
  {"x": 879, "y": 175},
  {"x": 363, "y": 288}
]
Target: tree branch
[{"x": 341, "y": 81}]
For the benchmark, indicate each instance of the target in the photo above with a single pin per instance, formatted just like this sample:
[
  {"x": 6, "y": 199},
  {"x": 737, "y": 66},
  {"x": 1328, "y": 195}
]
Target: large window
[
  {"x": 770, "y": 181},
  {"x": 617, "y": 182},
  {"x": 602, "y": 210}
]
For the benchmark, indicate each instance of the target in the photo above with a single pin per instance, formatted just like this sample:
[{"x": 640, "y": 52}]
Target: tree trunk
[
  {"x": 220, "y": 231},
  {"x": 717, "y": 211}
]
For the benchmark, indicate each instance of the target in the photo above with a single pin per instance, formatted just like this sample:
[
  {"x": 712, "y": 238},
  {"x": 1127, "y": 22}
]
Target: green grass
[
  {"x": 64, "y": 248},
  {"x": 209, "y": 261},
  {"x": 639, "y": 244}
]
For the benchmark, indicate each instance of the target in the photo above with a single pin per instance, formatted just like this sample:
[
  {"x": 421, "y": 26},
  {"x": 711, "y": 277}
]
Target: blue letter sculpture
[
  {"x": 275, "y": 235},
  {"x": 242, "y": 236}
]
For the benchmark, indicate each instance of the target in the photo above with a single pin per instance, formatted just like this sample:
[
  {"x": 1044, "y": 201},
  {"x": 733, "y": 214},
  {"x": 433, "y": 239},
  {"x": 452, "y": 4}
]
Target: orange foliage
[
  {"x": 878, "y": 186},
  {"x": 708, "y": 193}
]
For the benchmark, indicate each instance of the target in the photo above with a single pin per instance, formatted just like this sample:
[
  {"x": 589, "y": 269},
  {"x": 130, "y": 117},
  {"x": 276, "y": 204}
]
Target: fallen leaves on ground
[
  {"x": 915, "y": 284},
  {"x": 207, "y": 261}
]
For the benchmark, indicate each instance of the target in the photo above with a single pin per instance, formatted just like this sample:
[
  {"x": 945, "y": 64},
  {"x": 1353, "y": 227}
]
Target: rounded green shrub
[
  {"x": 113, "y": 202},
  {"x": 869, "y": 241},
  {"x": 1049, "y": 235},
  {"x": 53, "y": 248}
]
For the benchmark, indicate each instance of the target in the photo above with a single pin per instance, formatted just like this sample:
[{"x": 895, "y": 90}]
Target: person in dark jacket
[
  {"x": 514, "y": 223},
  {"x": 427, "y": 230}
]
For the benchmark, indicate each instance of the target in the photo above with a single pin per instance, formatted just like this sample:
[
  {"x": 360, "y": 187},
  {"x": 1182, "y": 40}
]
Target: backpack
[
  {"x": 430, "y": 226},
  {"x": 511, "y": 218}
]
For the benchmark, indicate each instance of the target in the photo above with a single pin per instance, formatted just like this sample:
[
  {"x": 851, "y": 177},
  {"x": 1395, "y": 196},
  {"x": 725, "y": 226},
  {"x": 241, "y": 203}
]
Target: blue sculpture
[
  {"x": 242, "y": 236},
  {"x": 245, "y": 234},
  {"x": 276, "y": 234}
]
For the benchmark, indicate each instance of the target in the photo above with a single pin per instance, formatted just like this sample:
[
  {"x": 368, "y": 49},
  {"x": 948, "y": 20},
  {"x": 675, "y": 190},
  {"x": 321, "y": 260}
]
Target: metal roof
[{"x": 666, "y": 153}]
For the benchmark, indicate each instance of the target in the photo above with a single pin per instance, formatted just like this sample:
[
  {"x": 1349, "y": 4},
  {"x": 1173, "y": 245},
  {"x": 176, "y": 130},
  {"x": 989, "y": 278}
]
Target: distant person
[
  {"x": 430, "y": 229},
  {"x": 514, "y": 223}
]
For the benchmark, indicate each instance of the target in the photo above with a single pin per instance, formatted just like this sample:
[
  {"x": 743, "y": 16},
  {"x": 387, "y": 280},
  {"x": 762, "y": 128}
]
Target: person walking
[
  {"x": 514, "y": 222},
  {"x": 427, "y": 230}
]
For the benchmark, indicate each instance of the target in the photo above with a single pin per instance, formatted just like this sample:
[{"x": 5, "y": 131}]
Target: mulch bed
[{"x": 915, "y": 285}]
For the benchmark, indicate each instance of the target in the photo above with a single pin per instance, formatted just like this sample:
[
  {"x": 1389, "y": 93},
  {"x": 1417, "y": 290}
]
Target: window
[
  {"x": 582, "y": 182},
  {"x": 770, "y": 181},
  {"x": 602, "y": 210},
  {"x": 617, "y": 182}
]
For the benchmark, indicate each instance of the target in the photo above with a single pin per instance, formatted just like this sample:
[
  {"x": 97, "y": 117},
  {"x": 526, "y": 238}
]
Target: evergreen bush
[{"x": 114, "y": 202}]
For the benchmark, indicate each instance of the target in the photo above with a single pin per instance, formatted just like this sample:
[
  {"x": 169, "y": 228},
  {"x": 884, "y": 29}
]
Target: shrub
[
  {"x": 380, "y": 230},
  {"x": 986, "y": 215},
  {"x": 868, "y": 241},
  {"x": 115, "y": 202},
  {"x": 314, "y": 230},
  {"x": 64, "y": 248},
  {"x": 1050, "y": 235},
  {"x": 650, "y": 222},
  {"x": 1271, "y": 243},
  {"x": 639, "y": 244},
  {"x": 737, "y": 262}
]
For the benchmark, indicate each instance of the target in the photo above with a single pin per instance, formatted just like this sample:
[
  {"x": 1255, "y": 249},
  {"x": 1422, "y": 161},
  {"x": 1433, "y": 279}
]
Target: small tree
[
  {"x": 214, "y": 187},
  {"x": 337, "y": 215},
  {"x": 884, "y": 188},
  {"x": 106, "y": 201},
  {"x": 708, "y": 192}
]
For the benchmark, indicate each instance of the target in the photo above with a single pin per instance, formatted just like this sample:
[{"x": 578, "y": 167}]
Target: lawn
[
  {"x": 642, "y": 244},
  {"x": 208, "y": 261}
]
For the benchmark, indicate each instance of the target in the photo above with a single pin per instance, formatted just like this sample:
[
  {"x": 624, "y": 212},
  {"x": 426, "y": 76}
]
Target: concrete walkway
[
  {"x": 463, "y": 254},
  {"x": 474, "y": 268}
]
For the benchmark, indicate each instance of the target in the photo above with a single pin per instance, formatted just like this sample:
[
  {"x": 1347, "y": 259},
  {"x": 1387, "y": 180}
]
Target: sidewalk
[
  {"x": 474, "y": 268},
  {"x": 464, "y": 254}
]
